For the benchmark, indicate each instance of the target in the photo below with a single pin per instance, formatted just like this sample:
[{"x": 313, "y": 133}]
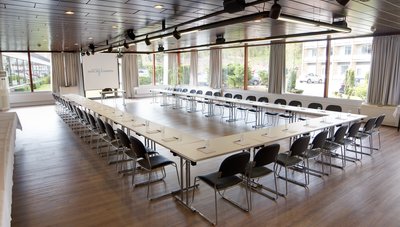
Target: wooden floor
[{"x": 61, "y": 181}]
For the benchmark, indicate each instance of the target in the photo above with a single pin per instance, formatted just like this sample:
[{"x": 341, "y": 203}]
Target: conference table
[
  {"x": 191, "y": 149},
  {"x": 9, "y": 122}
]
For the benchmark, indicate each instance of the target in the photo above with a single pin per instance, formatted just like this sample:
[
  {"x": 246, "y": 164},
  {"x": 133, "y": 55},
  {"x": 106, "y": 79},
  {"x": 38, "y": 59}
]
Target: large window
[
  {"x": 349, "y": 68},
  {"x": 19, "y": 76},
  {"x": 159, "y": 61},
  {"x": 184, "y": 68},
  {"x": 203, "y": 68},
  {"x": 305, "y": 68},
  {"x": 258, "y": 72},
  {"x": 233, "y": 68},
  {"x": 145, "y": 68}
]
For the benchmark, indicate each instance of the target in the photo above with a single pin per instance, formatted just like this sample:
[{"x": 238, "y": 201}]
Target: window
[
  {"x": 233, "y": 68},
  {"x": 159, "y": 61},
  {"x": 258, "y": 72},
  {"x": 17, "y": 67},
  {"x": 349, "y": 76},
  {"x": 305, "y": 75},
  {"x": 145, "y": 69},
  {"x": 184, "y": 68},
  {"x": 203, "y": 68},
  {"x": 347, "y": 50}
]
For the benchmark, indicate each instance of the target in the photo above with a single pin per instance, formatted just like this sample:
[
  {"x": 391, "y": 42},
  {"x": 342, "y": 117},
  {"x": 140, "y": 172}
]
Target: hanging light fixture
[
  {"x": 130, "y": 34},
  {"x": 160, "y": 48},
  {"x": 176, "y": 34},
  {"x": 343, "y": 2},
  {"x": 87, "y": 53},
  {"x": 110, "y": 48},
  {"x": 147, "y": 40},
  {"x": 275, "y": 11},
  {"x": 126, "y": 45}
]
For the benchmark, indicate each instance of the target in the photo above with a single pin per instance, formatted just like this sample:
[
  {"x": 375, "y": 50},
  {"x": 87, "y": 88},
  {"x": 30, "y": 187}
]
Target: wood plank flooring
[{"x": 60, "y": 181}]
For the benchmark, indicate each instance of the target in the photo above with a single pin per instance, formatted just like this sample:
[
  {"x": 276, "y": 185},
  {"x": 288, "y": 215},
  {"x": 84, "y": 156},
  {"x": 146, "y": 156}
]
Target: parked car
[
  {"x": 311, "y": 78},
  {"x": 254, "y": 81}
]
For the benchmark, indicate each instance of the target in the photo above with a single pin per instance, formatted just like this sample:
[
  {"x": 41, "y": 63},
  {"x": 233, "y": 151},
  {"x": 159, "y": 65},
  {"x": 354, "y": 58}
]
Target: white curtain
[
  {"x": 276, "y": 68},
  {"x": 57, "y": 71},
  {"x": 130, "y": 74},
  {"x": 384, "y": 81},
  {"x": 216, "y": 68},
  {"x": 172, "y": 69},
  {"x": 194, "y": 58},
  {"x": 73, "y": 70}
]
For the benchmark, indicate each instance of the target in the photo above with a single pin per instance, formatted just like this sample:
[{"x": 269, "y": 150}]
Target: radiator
[{"x": 376, "y": 110}]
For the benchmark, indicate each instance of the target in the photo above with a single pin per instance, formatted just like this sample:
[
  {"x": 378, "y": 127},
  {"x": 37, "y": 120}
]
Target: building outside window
[{"x": 17, "y": 67}]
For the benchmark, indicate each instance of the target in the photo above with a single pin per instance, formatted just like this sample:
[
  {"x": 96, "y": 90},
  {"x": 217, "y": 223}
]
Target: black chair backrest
[
  {"x": 178, "y": 89},
  {"x": 379, "y": 121},
  {"x": 335, "y": 108},
  {"x": 123, "y": 138},
  {"x": 218, "y": 94},
  {"x": 92, "y": 121},
  {"x": 299, "y": 146},
  {"x": 266, "y": 155},
  {"x": 208, "y": 93},
  {"x": 315, "y": 105},
  {"x": 251, "y": 98},
  {"x": 193, "y": 91},
  {"x": 319, "y": 140},
  {"x": 353, "y": 130},
  {"x": 79, "y": 112},
  {"x": 228, "y": 95},
  {"x": 199, "y": 92},
  {"x": 295, "y": 103},
  {"x": 85, "y": 117},
  {"x": 102, "y": 127},
  {"x": 110, "y": 131},
  {"x": 138, "y": 148},
  {"x": 234, "y": 164},
  {"x": 107, "y": 89},
  {"x": 280, "y": 101},
  {"x": 369, "y": 125},
  {"x": 340, "y": 133},
  {"x": 263, "y": 99},
  {"x": 238, "y": 96},
  {"x": 185, "y": 90}
]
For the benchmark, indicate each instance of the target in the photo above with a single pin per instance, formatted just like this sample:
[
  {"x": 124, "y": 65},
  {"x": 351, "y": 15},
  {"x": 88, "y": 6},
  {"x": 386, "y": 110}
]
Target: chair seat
[
  {"x": 286, "y": 160},
  {"x": 212, "y": 180},
  {"x": 285, "y": 115},
  {"x": 271, "y": 113},
  {"x": 156, "y": 161},
  {"x": 311, "y": 153},
  {"x": 331, "y": 146},
  {"x": 260, "y": 172}
]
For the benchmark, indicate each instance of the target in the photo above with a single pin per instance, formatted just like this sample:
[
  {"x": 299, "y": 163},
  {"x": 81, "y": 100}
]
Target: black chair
[
  {"x": 366, "y": 132},
  {"x": 225, "y": 178},
  {"x": 263, "y": 99},
  {"x": 315, "y": 151},
  {"x": 245, "y": 109},
  {"x": 350, "y": 139},
  {"x": 335, "y": 108},
  {"x": 376, "y": 130},
  {"x": 265, "y": 156},
  {"x": 289, "y": 115},
  {"x": 102, "y": 134},
  {"x": 148, "y": 163},
  {"x": 315, "y": 105},
  {"x": 293, "y": 158},
  {"x": 334, "y": 143},
  {"x": 224, "y": 105},
  {"x": 112, "y": 144},
  {"x": 272, "y": 117}
]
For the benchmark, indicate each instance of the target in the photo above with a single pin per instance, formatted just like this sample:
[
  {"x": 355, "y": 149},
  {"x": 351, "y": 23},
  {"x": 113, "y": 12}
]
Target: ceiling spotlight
[
  {"x": 69, "y": 12},
  {"x": 93, "y": 52},
  {"x": 160, "y": 48},
  {"x": 147, "y": 40},
  {"x": 343, "y": 2},
  {"x": 176, "y": 34},
  {"x": 158, "y": 6},
  {"x": 87, "y": 53},
  {"x": 91, "y": 46},
  {"x": 275, "y": 11},
  {"x": 126, "y": 45},
  {"x": 130, "y": 34},
  {"x": 82, "y": 53},
  {"x": 220, "y": 39},
  {"x": 110, "y": 49}
]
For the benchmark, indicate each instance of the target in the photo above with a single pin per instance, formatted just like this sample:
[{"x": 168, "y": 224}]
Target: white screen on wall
[{"x": 100, "y": 71}]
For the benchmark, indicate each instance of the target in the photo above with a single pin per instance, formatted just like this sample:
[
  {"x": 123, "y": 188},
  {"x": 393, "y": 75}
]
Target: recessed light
[
  {"x": 114, "y": 26},
  {"x": 257, "y": 21},
  {"x": 76, "y": 44},
  {"x": 158, "y": 6},
  {"x": 69, "y": 12},
  {"x": 90, "y": 38}
]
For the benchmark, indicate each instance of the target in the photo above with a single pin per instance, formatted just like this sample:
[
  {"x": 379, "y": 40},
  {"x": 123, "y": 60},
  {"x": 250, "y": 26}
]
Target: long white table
[
  {"x": 9, "y": 122},
  {"x": 191, "y": 149}
]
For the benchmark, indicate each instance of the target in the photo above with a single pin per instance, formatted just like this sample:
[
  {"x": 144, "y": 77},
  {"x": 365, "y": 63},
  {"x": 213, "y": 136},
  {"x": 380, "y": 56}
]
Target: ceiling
[{"x": 42, "y": 25}]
